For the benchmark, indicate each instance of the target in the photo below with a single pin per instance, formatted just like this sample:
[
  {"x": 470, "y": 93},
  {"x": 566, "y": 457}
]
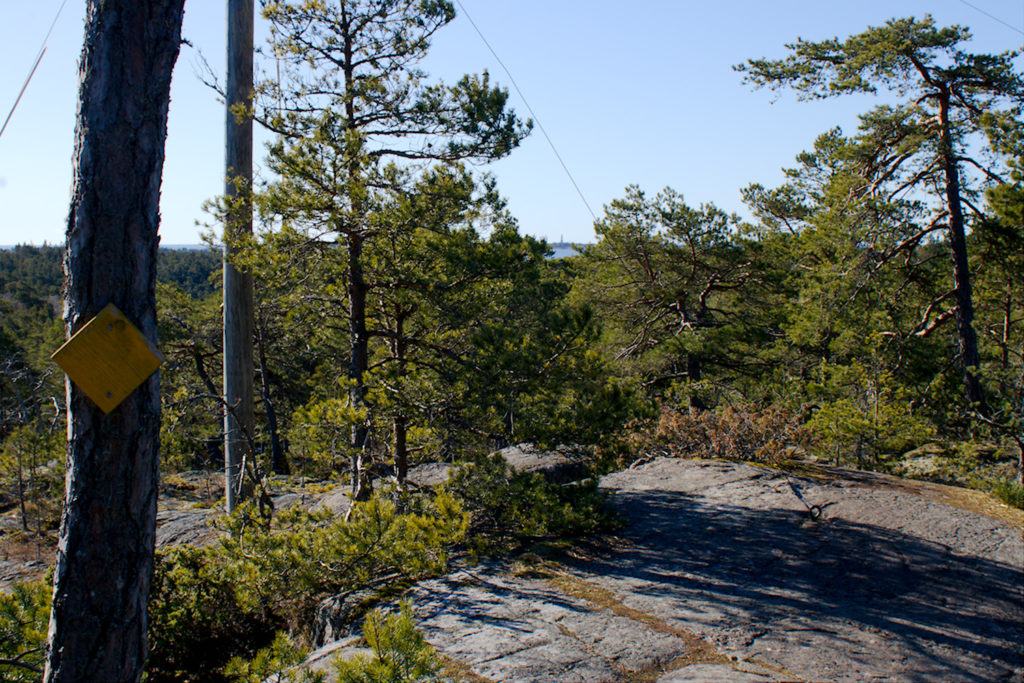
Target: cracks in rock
[
  {"x": 509, "y": 653},
  {"x": 749, "y": 638},
  {"x": 698, "y": 649}
]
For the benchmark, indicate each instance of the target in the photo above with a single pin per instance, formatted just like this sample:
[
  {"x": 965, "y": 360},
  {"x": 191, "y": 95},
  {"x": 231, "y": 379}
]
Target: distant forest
[{"x": 29, "y": 274}]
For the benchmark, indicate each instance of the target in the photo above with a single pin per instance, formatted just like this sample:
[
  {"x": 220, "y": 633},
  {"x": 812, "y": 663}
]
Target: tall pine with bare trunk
[
  {"x": 350, "y": 105},
  {"x": 924, "y": 143},
  {"x": 105, "y": 555}
]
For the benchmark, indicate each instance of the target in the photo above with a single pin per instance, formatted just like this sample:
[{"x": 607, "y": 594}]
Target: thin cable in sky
[
  {"x": 22, "y": 92},
  {"x": 529, "y": 109},
  {"x": 39, "y": 58},
  {"x": 52, "y": 24},
  {"x": 993, "y": 17}
]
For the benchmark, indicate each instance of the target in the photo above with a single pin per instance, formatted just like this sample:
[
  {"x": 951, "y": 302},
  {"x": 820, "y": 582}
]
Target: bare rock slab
[
  {"x": 509, "y": 628},
  {"x": 560, "y": 465},
  {"x": 730, "y": 572},
  {"x": 716, "y": 673},
  {"x": 186, "y": 526},
  {"x": 887, "y": 583}
]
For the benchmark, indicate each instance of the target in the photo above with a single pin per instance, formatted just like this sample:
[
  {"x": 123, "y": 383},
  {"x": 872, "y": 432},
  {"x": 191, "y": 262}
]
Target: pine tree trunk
[
  {"x": 694, "y": 374},
  {"x": 401, "y": 422},
  {"x": 400, "y": 429},
  {"x": 694, "y": 365},
  {"x": 358, "y": 363},
  {"x": 966, "y": 337},
  {"x": 21, "y": 491},
  {"x": 278, "y": 463},
  {"x": 357, "y": 289},
  {"x": 105, "y": 554},
  {"x": 1020, "y": 462}
]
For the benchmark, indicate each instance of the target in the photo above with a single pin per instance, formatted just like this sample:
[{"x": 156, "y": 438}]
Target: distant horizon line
[
  {"x": 175, "y": 247},
  {"x": 198, "y": 247}
]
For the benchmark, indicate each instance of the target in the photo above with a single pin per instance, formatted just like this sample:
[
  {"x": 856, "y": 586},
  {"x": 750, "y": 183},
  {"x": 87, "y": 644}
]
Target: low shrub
[
  {"x": 209, "y": 605},
  {"x": 400, "y": 653},
  {"x": 507, "y": 507},
  {"x": 1010, "y": 492},
  {"x": 274, "y": 664},
  {"x": 200, "y": 614},
  {"x": 731, "y": 432},
  {"x": 221, "y": 612},
  {"x": 24, "y": 618}
]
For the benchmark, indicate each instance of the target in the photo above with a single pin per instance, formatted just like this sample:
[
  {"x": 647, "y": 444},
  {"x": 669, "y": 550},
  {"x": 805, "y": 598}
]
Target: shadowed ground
[{"x": 722, "y": 573}]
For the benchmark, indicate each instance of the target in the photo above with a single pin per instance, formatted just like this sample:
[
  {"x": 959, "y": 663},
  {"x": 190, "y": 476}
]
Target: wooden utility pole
[
  {"x": 104, "y": 564},
  {"x": 238, "y": 299}
]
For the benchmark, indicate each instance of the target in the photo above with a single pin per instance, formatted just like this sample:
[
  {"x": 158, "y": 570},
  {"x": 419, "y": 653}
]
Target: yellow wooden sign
[{"x": 108, "y": 358}]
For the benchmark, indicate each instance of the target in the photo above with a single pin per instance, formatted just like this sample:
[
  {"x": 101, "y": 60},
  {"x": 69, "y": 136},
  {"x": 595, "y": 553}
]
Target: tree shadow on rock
[{"x": 723, "y": 564}]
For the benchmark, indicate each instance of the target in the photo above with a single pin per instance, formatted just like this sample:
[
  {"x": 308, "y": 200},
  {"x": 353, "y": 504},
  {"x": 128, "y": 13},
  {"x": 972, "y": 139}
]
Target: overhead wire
[
  {"x": 533, "y": 114},
  {"x": 24, "y": 87},
  {"x": 35, "y": 65},
  {"x": 993, "y": 17}
]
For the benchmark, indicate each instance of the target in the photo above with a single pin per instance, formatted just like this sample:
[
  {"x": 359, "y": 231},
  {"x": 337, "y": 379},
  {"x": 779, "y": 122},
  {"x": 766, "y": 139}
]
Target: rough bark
[
  {"x": 400, "y": 435},
  {"x": 105, "y": 554}
]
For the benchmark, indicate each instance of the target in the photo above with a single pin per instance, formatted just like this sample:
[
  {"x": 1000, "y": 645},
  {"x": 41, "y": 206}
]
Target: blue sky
[{"x": 630, "y": 93}]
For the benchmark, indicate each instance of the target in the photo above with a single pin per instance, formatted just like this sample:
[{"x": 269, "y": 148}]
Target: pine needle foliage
[
  {"x": 24, "y": 616},
  {"x": 400, "y": 653},
  {"x": 211, "y": 604}
]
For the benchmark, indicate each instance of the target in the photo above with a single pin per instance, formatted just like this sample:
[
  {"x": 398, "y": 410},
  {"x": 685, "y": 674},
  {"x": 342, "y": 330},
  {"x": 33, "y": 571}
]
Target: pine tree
[
  {"x": 107, "y": 535},
  {"x": 351, "y": 104},
  {"x": 945, "y": 95}
]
